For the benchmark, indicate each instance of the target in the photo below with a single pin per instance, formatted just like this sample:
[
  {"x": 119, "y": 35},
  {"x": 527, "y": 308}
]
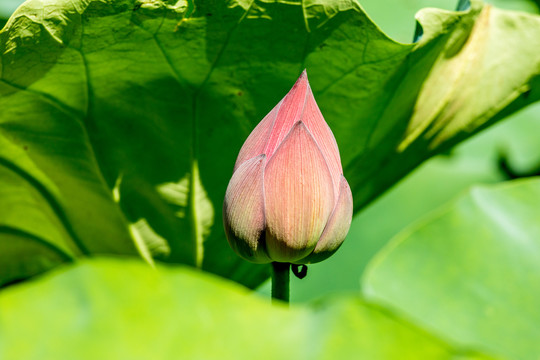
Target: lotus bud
[{"x": 287, "y": 200}]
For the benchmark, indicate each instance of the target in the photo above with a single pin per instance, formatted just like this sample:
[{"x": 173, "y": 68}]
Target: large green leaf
[
  {"x": 471, "y": 272},
  {"x": 121, "y": 119},
  {"x": 113, "y": 309}
]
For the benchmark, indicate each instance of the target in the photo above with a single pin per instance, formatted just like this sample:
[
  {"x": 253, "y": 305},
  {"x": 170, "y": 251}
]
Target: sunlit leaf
[
  {"x": 112, "y": 309},
  {"x": 471, "y": 272}
]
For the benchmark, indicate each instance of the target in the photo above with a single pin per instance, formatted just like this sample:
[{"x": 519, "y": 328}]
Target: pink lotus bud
[{"x": 287, "y": 200}]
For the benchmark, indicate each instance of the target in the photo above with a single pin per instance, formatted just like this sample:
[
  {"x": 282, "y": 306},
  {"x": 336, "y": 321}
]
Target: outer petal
[
  {"x": 256, "y": 142},
  {"x": 337, "y": 228},
  {"x": 298, "y": 196},
  {"x": 270, "y": 132},
  {"x": 243, "y": 211},
  {"x": 290, "y": 112},
  {"x": 320, "y": 130}
]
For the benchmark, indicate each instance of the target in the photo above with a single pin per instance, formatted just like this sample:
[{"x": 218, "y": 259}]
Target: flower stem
[{"x": 280, "y": 282}]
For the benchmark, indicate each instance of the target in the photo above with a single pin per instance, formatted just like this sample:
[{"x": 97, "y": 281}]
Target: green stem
[{"x": 280, "y": 282}]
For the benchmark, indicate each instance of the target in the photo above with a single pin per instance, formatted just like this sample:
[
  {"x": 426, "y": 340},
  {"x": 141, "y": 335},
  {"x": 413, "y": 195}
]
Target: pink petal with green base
[
  {"x": 299, "y": 196},
  {"x": 337, "y": 227},
  {"x": 243, "y": 211}
]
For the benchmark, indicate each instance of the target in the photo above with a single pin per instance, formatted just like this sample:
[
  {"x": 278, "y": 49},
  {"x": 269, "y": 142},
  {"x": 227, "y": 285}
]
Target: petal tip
[{"x": 303, "y": 78}]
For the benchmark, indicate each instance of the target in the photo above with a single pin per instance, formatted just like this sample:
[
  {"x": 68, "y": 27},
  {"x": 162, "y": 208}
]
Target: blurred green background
[
  {"x": 6, "y": 8},
  {"x": 431, "y": 185}
]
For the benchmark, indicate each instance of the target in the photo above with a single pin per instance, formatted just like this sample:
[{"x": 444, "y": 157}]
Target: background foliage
[
  {"x": 109, "y": 147},
  {"x": 482, "y": 159}
]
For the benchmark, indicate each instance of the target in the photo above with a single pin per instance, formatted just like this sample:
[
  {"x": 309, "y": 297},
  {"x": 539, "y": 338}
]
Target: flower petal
[
  {"x": 243, "y": 211},
  {"x": 298, "y": 196},
  {"x": 256, "y": 142},
  {"x": 337, "y": 228},
  {"x": 290, "y": 112},
  {"x": 324, "y": 137}
]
